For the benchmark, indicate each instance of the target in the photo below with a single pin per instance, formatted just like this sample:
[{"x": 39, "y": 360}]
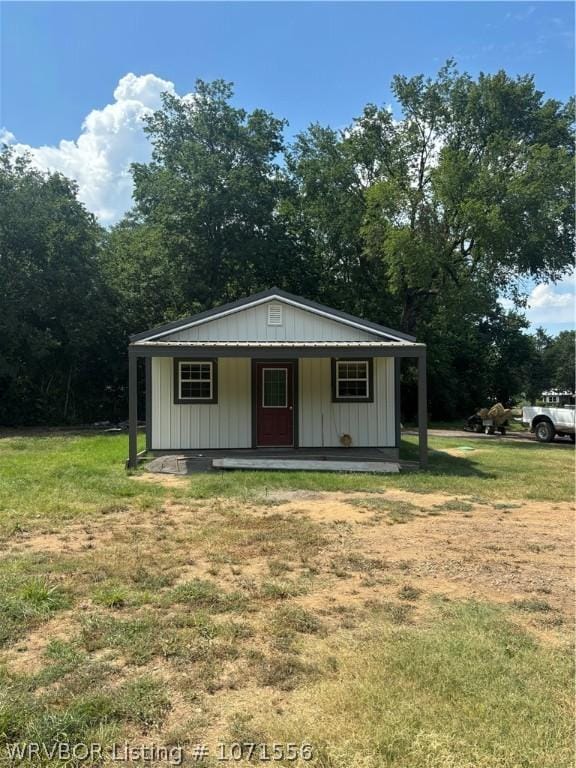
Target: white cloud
[
  {"x": 110, "y": 139},
  {"x": 552, "y": 304},
  {"x": 6, "y": 136}
]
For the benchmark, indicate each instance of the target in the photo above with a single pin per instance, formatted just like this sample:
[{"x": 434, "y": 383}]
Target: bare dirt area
[
  {"x": 447, "y": 545},
  {"x": 504, "y": 552}
]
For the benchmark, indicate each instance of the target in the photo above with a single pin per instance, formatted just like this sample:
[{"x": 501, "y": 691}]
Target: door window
[{"x": 274, "y": 388}]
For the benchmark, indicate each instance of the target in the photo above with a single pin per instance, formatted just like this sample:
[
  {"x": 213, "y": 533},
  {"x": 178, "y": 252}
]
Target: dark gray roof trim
[{"x": 234, "y": 305}]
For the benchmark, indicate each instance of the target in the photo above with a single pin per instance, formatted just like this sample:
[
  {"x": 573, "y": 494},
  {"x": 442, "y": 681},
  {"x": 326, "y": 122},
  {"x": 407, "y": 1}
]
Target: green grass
[
  {"x": 454, "y": 505},
  {"x": 201, "y": 593},
  {"x": 93, "y": 715},
  {"x": 469, "y": 689},
  {"x": 394, "y": 511},
  {"x": 512, "y": 426},
  {"x": 26, "y": 602},
  {"x": 493, "y": 470},
  {"x": 533, "y": 605},
  {"x": 226, "y": 591},
  {"x": 297, "y": 619},
  {"x": 56, "y": 478},
  {"x": 62, "y": 477}
]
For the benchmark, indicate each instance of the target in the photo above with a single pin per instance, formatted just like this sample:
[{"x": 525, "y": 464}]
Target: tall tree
[
  {"x": 481, "y": 189},
  {"x": 212, "y": 189},
  {"x": 427, "y": 220},
  {"x": 145, "y": 282},
  {"x": 52, "y": 298},
  {"x": 331, "y": 172}
]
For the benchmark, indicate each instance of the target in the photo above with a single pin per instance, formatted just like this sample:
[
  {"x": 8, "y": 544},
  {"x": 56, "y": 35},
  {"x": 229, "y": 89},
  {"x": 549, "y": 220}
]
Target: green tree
[
  {"x": 211, "y": 192},
  {"x": 480, "y": 189},
  {"x": 52, "y": 299},
  {"x": 559, "y": 361},
  {"x": 145, "y": 283},
  {"x": 331, "y": 172}
]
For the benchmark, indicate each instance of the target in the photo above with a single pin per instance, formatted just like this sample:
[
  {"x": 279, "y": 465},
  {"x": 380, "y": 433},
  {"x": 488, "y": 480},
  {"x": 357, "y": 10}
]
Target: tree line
[{"x": 422, "y": 222}]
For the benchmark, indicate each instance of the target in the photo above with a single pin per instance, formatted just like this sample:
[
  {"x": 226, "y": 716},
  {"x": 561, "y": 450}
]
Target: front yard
[{"x": 415, "y": 620}]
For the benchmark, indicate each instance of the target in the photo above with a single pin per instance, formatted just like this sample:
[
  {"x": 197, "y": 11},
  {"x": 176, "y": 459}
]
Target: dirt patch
[
  {"x": 498, "y": 554},
  {"x": 168, "y": 481},
  {"x": 27, "y": 657},
  {"x": 453, "y": 545}
]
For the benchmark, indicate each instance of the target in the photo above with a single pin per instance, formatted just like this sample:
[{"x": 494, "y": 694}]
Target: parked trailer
[
  {"x": 489, "y": 420},
  {"x": 546, "y": 423}
]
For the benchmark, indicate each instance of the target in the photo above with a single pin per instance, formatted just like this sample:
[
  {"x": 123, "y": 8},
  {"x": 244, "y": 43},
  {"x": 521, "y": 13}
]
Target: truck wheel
[
  {"x": 489, "y": 430},
  {"x": 544, "y": 432},
  {"x": 502, "y": 430},
  {"x": 572, "y": 437}
]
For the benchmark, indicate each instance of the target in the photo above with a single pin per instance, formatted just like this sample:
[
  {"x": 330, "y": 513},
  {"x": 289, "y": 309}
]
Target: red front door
[{"x": 275, "y": 404}]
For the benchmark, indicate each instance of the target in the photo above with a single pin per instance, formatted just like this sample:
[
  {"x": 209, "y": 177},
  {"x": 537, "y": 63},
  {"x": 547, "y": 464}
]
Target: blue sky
[
  {"x": 65, "y": 66},
  {"x": 303, "y": 61}
]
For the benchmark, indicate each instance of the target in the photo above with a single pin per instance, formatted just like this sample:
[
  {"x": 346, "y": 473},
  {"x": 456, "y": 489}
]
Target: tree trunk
[{"x": 67, "y": 396}]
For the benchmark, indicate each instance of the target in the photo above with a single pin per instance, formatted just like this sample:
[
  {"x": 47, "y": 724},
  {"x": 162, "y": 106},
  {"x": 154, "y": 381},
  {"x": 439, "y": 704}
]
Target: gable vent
[{"x": 274, "y": 314}]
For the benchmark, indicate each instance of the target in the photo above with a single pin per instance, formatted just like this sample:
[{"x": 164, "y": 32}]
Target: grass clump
[
  {"x": 281, "y": 590},
  {"x": 140, "y": 639},
  {"x": 202, "y": 593},
  {"x": 144, "y": 701},
  {"x": 77, "y": 718},
  {"x": 394, "y": 511},
  {"x": 454, "y": 505},
  {"x": 111, "y": 596},
  {"x": 284, "y": 671},
  {"x": 358, "y": 562},
  {"x": 279, "y": 567},
  {"x": 409, "y": 593},
  {"x": 298, "y": 619},
  {"x": 533, "y": 605},
  {"x": 27, "y": 603}
]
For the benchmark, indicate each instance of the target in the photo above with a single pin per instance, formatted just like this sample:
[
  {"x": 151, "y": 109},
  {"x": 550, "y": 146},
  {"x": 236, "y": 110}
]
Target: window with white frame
[
  {"x": 352, "y": 380},
  {"x": 195, "y": 381}
]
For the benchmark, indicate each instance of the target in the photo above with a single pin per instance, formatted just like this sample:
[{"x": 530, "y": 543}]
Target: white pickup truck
[{"x": 546, "y": 423}]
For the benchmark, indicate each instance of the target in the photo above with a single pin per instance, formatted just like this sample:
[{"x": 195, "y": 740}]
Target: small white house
[
  {"x": 556, "y": 397},
  {"x": 273, "y": 370}
]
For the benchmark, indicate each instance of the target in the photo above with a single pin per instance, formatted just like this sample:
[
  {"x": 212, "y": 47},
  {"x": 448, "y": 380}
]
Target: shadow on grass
[
  {"x": 442, "y": 463},
  {"x": 23, "y": 433}
]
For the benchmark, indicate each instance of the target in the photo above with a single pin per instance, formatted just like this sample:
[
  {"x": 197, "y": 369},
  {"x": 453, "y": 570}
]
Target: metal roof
[{"x": 275, "y": 344}]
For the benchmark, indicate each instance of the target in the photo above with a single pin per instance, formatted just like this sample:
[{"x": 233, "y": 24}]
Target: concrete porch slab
[
  {"x": 308, "y": 465},
  {"x": 190, "y": 462}
]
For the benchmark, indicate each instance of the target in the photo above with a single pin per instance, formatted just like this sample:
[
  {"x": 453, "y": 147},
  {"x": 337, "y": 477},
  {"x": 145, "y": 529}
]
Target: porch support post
[
  {"x": 148, "y": 372},
  {"x": 397, "y": 401},
  {"x": 132, "y": 408},
  {"x": 422, "y": 410}
]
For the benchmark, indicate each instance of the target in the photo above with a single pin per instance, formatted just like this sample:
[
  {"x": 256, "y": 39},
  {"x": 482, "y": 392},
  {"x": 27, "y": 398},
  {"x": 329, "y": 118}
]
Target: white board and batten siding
[
  {"x": 322, "y": 422},
  {"x": 225, "y": 424},
  {"x": 228, "y": 423},
  {"x": 252, "y": 325}
]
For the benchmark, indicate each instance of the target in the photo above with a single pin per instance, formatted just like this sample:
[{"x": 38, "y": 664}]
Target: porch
[
  {"x": 318, "y": 420},
  {"x": 189, "y": 462}
]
